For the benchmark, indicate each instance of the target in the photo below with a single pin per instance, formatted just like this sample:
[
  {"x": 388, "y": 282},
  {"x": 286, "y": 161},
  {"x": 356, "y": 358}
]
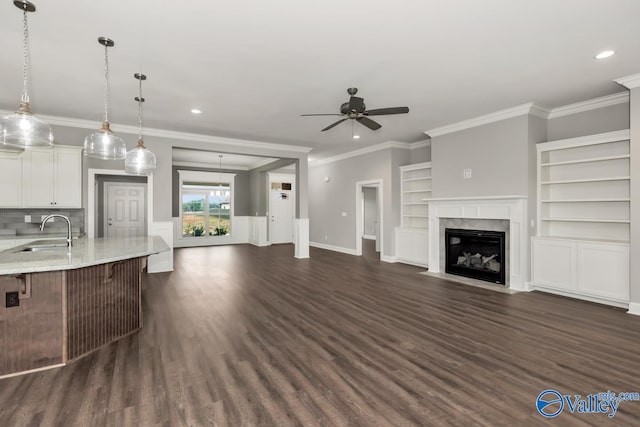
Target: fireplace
[{"x": 479, "y": 254}]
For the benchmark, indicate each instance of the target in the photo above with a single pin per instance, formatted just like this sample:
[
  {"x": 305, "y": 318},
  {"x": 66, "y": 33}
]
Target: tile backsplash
[{"x": 12, "y": 222}]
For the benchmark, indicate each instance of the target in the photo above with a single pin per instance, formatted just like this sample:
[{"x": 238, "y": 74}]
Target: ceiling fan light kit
[
  {"x": 356, "y": 110},
  {"x": 22, "y": 129}
]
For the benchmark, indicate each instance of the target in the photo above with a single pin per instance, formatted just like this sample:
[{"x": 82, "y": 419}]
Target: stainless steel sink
[{"x": 40, "y": 245}]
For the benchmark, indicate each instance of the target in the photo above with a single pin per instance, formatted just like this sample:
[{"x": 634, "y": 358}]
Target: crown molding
[
  {"x": 211, "y": 166},
  {"x": 420, "y": 144},
  {"x": 361, "y": 151},
  {"x": 508, "y": 113},
  {"x": 590, "y": 104},
  {"x": 163, "y": 133},
  {"x": 630, "y": 82}
]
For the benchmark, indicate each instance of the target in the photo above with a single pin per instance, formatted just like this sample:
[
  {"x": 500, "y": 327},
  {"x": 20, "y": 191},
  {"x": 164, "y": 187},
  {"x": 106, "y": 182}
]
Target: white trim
[
  {"x": 163, "y": 261},
  {"x": 581, "y": 296},
  {"x": 634, "y": 308},
  {"x": 163, "y": 133},
  {"x": 211, "y": 166},
  {"x": 333, "y": 248},
  {"x": 590, "y": 104},
  {"x": 453, "y": 199},
  {"x": 508, "y": 113},
  {"x": 301, "y": 237},
  {"x": 420, "y": 144},
  {"x": 262, "y": 162},
  {"x": 379, "y": 184},
  {"x": 91, "y": 197},
  {"x": 368, "y": 237},
  {"x": 390, "y": 259},
  {"x": 601, "y": 138},
  {"x": 630, "y": 82},
  {"x": 361, "y": 151},
  {"x": 31, "y": 371}
]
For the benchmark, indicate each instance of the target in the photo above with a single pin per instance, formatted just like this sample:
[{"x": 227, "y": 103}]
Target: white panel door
[
  {"x": 125, "y": 210},
  {"x": 281, "y": 214}
]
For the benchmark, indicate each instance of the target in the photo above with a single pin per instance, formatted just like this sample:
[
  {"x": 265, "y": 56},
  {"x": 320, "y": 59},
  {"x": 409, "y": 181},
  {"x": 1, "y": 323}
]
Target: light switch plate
[
  {"x": 467, "y": 173},
  {"x": 27, "y": 218},
  {"x": 344, "y": 214}
]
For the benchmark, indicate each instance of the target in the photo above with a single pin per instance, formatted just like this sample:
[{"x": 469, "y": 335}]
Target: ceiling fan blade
[
  {"x": 369, "y": 123},
  {"x": 356, "y": 104},
  {"x": 333, "y": 125},
  {"x": 384, "y": 111},
  {"x": 304, "y": 115}
]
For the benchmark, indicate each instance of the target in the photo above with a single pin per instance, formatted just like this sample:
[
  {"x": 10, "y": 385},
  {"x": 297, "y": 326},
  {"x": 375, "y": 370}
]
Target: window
[{"x": 206, "y": 200}]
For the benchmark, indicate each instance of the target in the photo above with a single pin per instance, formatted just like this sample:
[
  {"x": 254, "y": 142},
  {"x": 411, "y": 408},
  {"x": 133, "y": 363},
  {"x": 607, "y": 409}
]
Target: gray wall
[
  {"x": 497, "y": 153},
  {"x": 241, "y": 190},
  {"x": 635, "y": 197},
  {"x": 370, "y": 210},
  {"x": 330, "y": 199},
  {"x": 422, "y": 154},
  {"x": 607, "y": 119}
]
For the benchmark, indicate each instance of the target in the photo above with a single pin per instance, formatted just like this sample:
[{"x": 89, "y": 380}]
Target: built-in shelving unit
[
  {"x": 581, "y": 248},
  {"x": 415, "y": 187},
  {"x": 412, "y": 239}
]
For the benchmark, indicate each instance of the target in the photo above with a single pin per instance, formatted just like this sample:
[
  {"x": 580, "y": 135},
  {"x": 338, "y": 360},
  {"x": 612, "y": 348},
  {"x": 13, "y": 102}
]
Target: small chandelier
[
  {"x": 140, "y": 160},
  {"x": 103, "y": 144},
  {"x": 22, "y": 129}
]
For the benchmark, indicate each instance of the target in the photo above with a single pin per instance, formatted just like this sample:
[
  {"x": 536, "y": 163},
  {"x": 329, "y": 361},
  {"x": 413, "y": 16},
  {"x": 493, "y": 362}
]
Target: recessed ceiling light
[
  {"x": 605, "y": 54},
  {"x": 196, "y": 111},
  {"x": 356, "y": 136}
]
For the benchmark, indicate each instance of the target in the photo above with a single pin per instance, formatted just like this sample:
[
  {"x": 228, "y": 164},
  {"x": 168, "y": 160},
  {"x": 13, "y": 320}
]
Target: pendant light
[
  {"x": 22, "y": 129},
  {"x": 103, "y": 144},
  {"x": 140, "y": 160}
]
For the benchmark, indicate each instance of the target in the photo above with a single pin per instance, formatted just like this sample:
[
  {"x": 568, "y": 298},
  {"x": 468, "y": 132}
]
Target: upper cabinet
[
  {"x": 41, "y": 178},
  {"x": 10, "y": 179}
]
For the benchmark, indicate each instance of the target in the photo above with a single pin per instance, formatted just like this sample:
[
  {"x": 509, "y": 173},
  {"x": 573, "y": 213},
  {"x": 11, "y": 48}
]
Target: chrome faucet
[{"x": 48, "y": 217}]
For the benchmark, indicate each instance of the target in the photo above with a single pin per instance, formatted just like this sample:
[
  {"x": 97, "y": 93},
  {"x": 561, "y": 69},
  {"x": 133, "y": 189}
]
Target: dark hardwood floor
[{"x": 247, "y": 336}]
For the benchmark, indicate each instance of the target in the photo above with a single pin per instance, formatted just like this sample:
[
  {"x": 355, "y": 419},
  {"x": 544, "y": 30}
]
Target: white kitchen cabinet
[
  {"x": 52, "y": 178},
  {"x": 10, "y": 180}
]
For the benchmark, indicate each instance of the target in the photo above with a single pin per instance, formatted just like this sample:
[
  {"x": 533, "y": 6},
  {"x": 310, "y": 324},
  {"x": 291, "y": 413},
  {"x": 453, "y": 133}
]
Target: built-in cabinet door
[
  {"x": 10, "y": 180},
  {"x": 38, "y": 180},
  {"x": 53, "y": 178},
  {"x": 412, "y": 245},
  {"x": 67, "y": 166}
]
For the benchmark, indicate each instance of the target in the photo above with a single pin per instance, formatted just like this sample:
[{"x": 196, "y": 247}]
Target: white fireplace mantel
[{"x": 512, "y": 208}]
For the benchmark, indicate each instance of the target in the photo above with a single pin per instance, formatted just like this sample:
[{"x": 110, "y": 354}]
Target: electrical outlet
[
  {"x": 467, "y": 173},
  {"x": 27, "y": 218},
  {"x": 12, "y": 299}
]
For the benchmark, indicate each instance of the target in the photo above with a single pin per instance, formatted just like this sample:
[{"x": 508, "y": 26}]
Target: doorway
[
  {"x": 281, "y": 190},
  {"x": 370, "y": 221},
  {"x": 369, "y": 187},
  {"x": 124, "y": 208}
]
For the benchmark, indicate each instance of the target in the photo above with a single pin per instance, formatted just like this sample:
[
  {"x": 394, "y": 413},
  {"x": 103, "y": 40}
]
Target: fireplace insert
[{"x": 478, "y": 254}]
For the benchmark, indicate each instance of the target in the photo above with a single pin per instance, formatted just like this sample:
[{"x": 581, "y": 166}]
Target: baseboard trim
[
  {"x": 333, "y": 248},
  {"x": 414, "y": 263},
  {"x": 634, "y": 308},
  {"x": 260, "y": 245},
  {"x": 596, "y": 299},
  {"x": 368, "y": 237},
  {"x": 387, "y": 258}
]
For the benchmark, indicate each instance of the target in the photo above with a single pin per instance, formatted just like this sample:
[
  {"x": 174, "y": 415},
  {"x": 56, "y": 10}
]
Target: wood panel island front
[{"x": 62, "y": 304}]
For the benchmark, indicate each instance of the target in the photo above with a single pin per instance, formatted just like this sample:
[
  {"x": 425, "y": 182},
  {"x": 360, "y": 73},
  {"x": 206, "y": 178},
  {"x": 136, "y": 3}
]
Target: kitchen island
[{"x": 62, "y": 304}]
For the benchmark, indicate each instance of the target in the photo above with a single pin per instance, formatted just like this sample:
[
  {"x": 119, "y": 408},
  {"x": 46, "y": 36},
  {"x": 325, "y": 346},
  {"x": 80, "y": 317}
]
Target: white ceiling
[
  {"x": 254, "y": 66},
  {"x": 210, "y": 159}
]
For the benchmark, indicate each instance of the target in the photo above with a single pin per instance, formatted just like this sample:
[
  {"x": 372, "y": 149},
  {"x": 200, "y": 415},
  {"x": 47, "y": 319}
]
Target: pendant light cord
[
  {"x": 106, "y": 83},
  {"x": 140, "y": 112},
  {"x": 26, "y": 63}
]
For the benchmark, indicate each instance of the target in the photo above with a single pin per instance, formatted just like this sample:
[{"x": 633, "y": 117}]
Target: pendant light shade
[
  {"x": 140, "y": 160},
  {"x": 22, "y": 129},
  {"x": 104, "y": 144}
]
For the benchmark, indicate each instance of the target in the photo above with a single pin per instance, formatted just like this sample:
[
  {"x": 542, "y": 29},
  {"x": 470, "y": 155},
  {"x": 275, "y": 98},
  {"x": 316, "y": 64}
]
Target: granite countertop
[{"x": 84, "y": 253}]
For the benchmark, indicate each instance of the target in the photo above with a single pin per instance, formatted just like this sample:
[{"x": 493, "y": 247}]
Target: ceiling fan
[{"x": 356, "y": 110}]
